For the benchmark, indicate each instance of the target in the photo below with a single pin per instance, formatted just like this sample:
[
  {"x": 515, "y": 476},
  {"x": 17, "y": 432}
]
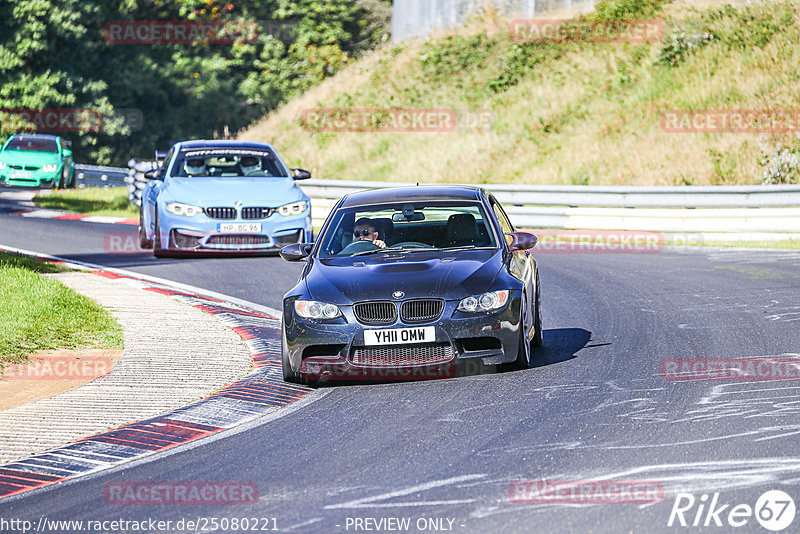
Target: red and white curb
[
  {"x": 69, "y": 216},
  {"x": 260, "y": 392},
  {"x": 22, "y": 206}
]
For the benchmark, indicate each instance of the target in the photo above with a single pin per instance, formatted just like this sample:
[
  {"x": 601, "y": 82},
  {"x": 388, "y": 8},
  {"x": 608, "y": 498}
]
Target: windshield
[
  {"x": 32, "y": 144},
  {"x": 228, "y": 162},
  {"x": 407, "y": 227}
]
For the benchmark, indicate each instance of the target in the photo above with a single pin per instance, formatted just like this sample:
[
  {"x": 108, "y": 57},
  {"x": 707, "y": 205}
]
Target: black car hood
[{"x": 422, "y": 274}]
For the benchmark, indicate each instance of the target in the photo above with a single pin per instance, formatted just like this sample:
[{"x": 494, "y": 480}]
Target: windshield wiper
[
  {"x": 378, "y": 250},
  {"x": 466, "y": 247},
  {"x": 395, "y": 249}
]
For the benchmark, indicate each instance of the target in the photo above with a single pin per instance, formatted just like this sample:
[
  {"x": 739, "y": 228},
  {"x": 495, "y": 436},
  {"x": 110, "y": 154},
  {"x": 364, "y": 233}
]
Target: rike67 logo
[{"x": 774, "y": 510}]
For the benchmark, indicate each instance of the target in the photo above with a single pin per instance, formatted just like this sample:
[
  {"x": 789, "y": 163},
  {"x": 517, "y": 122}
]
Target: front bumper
[
  {"x": 333, "y": 350},
  {"x": 201, "y": 234},
  {"x": 17, "y": 178}
]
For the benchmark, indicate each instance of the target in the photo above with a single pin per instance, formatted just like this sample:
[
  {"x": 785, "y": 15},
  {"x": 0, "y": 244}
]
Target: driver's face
[{"x": 365, "y": 233}]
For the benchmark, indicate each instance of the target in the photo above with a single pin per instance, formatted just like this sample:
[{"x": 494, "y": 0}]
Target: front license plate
[
  {"x": 21, "y": 174},
  {"x": 398, "y": 336},
  {"x": 239, "y": 228}
]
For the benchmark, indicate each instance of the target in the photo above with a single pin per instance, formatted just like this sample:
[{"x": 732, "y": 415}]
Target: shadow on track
[{"x": 560, "y": 345}]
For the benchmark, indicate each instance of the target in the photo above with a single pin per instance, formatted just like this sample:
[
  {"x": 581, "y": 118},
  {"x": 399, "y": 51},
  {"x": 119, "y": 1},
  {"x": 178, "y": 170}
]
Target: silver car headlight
[
  {"x": 3, "y": 165},
  {"x": 311, "y": 309},
  {"x": 50, "y": 168},
  {"x": 293, "y": 209},
  {"x": 185, "y": 210},
  {"x": 494, "y": 300}
]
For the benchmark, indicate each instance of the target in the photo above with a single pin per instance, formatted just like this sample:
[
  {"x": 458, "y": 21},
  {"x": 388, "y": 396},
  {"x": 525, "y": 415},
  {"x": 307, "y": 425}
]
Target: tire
[
  {"x": 143, "y": 241},
  {"x": 523, "y": 360},
  {"x": 538, "y": 338},
  {"x": 289, "y": 375},
  {"x": 158, "y": 252}
]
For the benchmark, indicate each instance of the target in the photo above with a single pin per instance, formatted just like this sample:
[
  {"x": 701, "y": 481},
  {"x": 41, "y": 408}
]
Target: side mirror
[
  {"x": 67, "y": 152},
  {"x": 521, "y": 241},
  {"x": 300, "y": 174},
  {"x": 296, "y": 252},
  {"x": 154, "y": 174}
]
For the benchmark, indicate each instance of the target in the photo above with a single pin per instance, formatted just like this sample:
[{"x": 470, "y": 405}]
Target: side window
[
  {"x": 168, "y": 158},
  {"x": 501, "y": 216}
]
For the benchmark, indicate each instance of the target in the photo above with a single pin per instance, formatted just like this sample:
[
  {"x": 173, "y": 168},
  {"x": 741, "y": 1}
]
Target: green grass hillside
[{"x": 566, "y": 113}]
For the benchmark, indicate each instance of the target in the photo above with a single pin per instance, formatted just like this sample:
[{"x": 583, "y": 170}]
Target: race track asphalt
[{"x": 593, "y": 405}]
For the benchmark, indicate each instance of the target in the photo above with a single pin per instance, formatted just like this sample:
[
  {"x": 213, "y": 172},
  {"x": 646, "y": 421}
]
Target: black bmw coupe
[{"x": 409, "y": 282}]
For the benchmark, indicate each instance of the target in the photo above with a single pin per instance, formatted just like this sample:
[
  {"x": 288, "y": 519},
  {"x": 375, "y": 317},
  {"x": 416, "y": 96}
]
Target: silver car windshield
[{"x": 230, "y": 163}]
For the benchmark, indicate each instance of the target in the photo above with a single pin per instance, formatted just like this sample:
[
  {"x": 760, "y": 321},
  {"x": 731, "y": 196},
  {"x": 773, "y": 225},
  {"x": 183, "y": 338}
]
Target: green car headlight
[
  {"x": 3, "y": 165},
  {"x": 50, "y": 168},
  {"x": 184, "y": 210},
  {"x": 293, "y": 209}
]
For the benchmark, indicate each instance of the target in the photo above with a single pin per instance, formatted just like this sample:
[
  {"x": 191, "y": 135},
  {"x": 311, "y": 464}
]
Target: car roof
[
  {"x": 412, "y": 194},
  {"x": 35, "y": 136},
  {"x": 204, "y": 143}
]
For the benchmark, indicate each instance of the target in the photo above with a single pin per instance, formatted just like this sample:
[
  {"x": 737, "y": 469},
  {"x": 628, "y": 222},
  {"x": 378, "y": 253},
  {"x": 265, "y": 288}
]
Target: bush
[
  {"x": 627, "y": 9},
  {"x": 452, "y": 56},
  {"x": 520, "y": 61},
  {"x": 782, "y": 165},
  {"x": 680, "y": 44}
]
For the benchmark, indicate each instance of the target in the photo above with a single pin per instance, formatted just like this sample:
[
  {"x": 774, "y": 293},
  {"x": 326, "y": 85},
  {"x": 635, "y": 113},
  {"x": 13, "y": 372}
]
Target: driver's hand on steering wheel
[{"x": 379, "y": 243}]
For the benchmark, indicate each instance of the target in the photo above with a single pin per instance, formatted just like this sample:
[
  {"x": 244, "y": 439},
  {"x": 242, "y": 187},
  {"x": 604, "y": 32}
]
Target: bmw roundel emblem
[{"x": 398, "y": 294}]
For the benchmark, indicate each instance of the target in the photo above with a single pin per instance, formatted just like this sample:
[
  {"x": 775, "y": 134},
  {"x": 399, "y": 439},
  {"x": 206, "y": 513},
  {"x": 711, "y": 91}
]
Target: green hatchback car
[{"x": 36, "y": 160}]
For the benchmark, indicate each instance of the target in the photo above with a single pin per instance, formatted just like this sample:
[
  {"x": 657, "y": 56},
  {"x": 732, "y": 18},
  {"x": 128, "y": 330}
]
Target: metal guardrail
[
  {"x": 99, "y": 176},
  {"x": 731, "y": 196},
  {"x": 767, "y": 209}
]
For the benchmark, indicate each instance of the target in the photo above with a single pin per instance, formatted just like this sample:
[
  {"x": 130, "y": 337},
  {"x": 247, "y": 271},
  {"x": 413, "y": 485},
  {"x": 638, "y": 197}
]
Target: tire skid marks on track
[{"x": 258, "y": 393}]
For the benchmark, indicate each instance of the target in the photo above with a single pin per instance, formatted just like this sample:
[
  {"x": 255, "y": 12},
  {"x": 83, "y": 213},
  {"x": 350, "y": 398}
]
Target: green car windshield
[{"x": 32, "y": 145}]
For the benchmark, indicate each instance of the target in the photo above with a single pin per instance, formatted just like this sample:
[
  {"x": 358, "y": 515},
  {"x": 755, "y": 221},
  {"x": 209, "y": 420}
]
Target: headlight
[
  {"x": 493, "y": 300},
  {"x": 3, "y": 165},
  {"x": 49, "y": 168},
  {"x": 293, "y": 209},
  {"x": 311, "y": 309},
  {"x": 185, "y": 210}
]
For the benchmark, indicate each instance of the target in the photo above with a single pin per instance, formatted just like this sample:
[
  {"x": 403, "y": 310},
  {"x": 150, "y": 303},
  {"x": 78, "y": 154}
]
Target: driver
[
  {"x": 250, "y": 165},
  {"x": 195, "y": 167},
  {"x": 364, "y": 230}
]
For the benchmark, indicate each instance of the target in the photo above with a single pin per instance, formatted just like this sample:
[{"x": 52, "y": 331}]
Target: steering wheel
[{"x": 358, "y": 246}]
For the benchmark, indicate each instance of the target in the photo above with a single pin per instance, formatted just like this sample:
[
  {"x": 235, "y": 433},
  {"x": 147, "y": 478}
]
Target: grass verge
[
  {"x": 39, "y": 313},
  {"x": 112, "y": 201}
]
